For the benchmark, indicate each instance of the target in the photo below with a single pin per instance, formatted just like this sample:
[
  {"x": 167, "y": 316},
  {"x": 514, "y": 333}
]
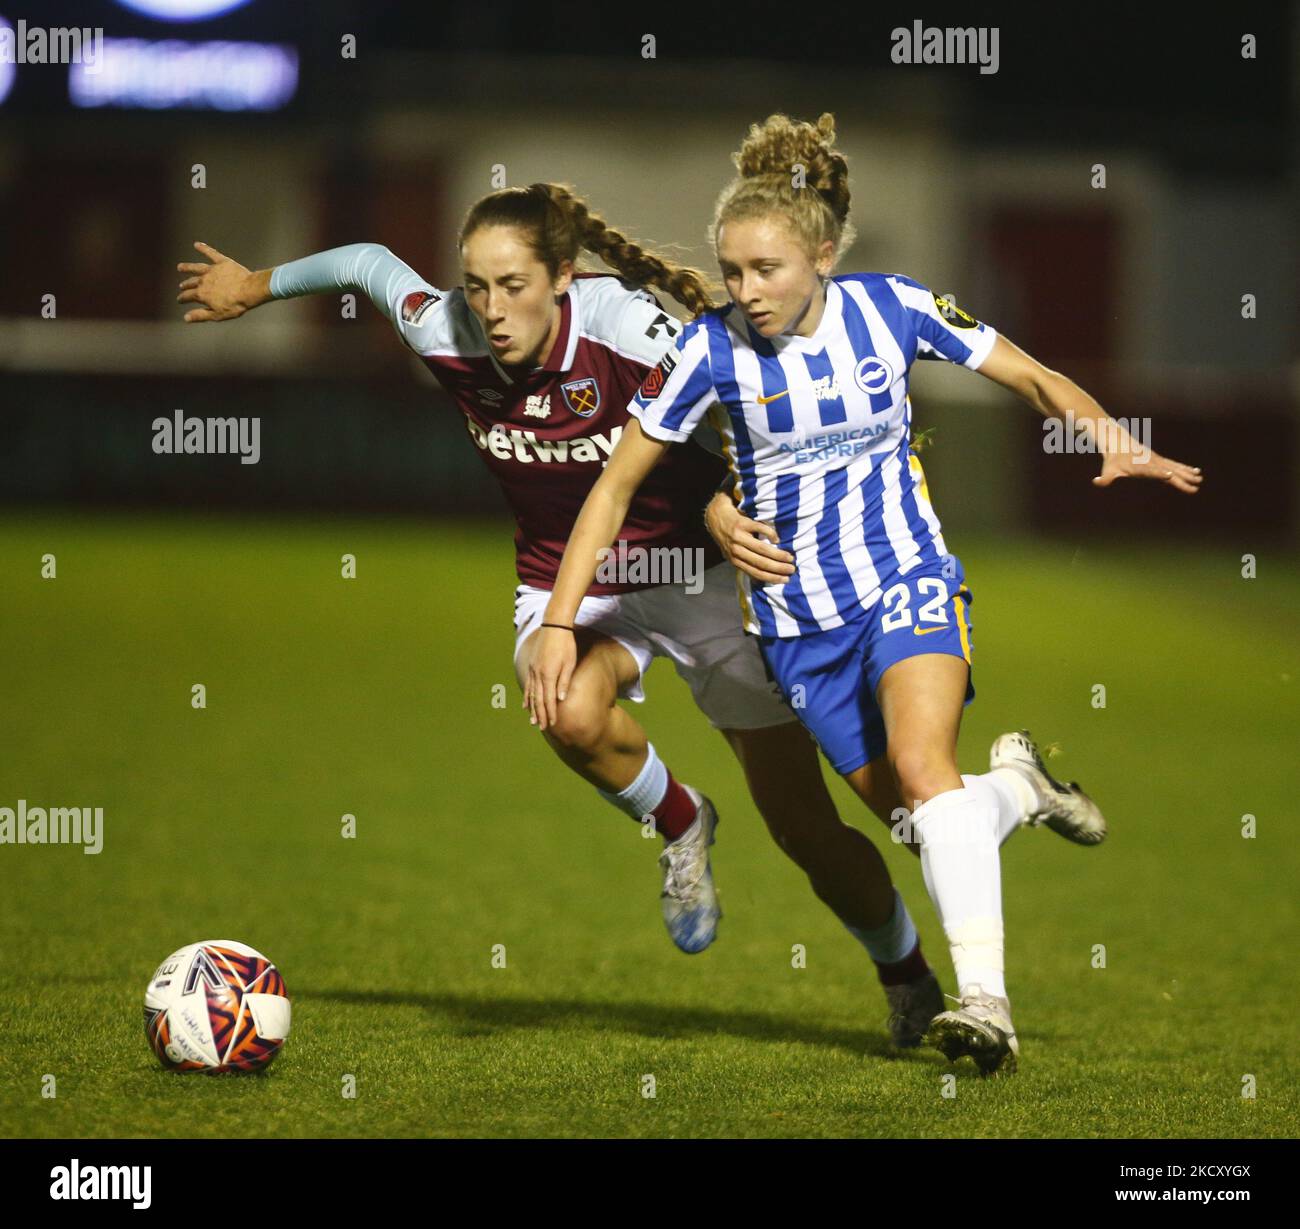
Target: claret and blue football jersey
[
  {"x": 545, "y": 433},
  {"x": 817, "y": 432}
]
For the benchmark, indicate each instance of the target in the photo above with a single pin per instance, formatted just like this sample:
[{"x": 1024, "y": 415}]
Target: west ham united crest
[{"x": 582, "y": 396}]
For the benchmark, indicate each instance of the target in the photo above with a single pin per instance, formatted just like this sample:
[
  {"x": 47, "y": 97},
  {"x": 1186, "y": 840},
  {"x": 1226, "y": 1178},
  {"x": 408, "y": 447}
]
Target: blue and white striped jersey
[{"x": 817, "y": 432}]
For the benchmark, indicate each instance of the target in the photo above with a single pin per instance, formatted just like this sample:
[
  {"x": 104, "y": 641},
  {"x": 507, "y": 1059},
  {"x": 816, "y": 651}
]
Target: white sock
[
  {"x": 1001, "y": 794},
  {"x": 1030, "y": 799},
  {"x": 958, "y": 831},
  {"x": 892, "y": 942},
  {"x": 646, "y": 792}
]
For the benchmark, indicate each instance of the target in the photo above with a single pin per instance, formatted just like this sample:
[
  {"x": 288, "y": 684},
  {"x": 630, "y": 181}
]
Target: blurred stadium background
[{"x": 978, "y": 185}]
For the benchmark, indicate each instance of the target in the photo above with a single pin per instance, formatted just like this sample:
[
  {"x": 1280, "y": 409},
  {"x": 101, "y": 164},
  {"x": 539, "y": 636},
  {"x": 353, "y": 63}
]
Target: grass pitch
[{"x": 374, "y": 697}]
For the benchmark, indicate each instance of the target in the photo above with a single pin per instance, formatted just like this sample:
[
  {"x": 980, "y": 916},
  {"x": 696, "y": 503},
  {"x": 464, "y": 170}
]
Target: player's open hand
[
  {"x": 1148, "y": 464},
  {"x": 224, "y": 289},
  {"x": 748, "y": 545},
  {"x": 549, "y": 674}
]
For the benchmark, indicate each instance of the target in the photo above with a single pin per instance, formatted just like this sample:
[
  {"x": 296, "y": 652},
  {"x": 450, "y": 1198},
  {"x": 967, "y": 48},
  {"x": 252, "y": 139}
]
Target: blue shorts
[{"x": 830, "y": 678}]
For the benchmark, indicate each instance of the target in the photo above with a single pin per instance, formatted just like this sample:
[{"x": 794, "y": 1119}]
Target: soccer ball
[{"x": 216, "y": 1006}]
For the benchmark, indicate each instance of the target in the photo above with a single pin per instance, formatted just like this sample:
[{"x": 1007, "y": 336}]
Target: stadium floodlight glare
[
  {"x": 7, "y": 70},
  {"x": 183, "y": 10},
  {"x": 165, "y": 74}
]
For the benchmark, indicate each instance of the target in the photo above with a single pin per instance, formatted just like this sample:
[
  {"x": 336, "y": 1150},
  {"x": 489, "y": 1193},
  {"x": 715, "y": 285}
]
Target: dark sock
[
  {"x": 675, "y": 813},
  {"x": 910, "y": 968}
]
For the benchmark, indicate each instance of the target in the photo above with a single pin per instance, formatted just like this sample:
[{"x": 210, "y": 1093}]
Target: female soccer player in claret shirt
[
  {"x": 862, "y": 613},
  {"x": 543, "y": 361}
]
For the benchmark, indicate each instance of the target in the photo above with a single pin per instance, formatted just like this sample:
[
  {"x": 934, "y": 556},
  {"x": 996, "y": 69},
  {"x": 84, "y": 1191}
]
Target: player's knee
[
  {"x": 796, "y": 843},
  {"x": 790, "y": 836},
  {"x": 800, "y": 831},
  {"x": 921, "y": 773},
  {"x": 580, "y": 724}
]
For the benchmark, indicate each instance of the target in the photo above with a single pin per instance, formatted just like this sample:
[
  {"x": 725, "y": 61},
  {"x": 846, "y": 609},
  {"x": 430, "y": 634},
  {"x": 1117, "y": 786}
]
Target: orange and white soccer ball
[{"x": 216, "y": 1006}]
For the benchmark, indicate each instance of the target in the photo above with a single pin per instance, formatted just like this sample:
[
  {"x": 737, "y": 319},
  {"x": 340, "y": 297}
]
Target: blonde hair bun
[{"x": 778, "y": 162}]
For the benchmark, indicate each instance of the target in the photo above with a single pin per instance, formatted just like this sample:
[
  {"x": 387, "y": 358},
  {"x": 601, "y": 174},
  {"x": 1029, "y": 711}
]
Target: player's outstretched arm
[
  {"x": 223, "y": 289},
  {"x": 1056, "y": 396}
]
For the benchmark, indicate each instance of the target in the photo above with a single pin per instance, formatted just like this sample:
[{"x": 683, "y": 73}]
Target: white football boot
[
  {"x": 1066, "y": 809},
  {"x": 912, "y": 1007},
  {"x": 690, "y": 903},
  {"x": 980, "y": 1027}
]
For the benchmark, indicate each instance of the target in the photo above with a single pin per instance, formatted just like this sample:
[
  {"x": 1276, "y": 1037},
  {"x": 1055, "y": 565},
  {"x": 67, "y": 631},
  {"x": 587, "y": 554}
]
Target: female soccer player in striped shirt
[
  {"x": 543, "y": 363},
  {"x": 865, "y": 626}
]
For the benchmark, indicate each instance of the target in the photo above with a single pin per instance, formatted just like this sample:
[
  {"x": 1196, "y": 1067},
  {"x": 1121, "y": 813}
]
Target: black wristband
[{"x": 562, "y": 626}]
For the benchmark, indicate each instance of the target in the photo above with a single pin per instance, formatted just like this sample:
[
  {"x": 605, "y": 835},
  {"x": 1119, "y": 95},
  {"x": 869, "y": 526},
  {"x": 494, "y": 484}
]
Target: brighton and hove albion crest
[
  {"x": 582, "y": 396},
  {"x": 873, "y": 375}
]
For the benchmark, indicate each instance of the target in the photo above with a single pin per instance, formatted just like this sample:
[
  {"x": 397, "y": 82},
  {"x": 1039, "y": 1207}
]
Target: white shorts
[{"x": 700, "y": 633}]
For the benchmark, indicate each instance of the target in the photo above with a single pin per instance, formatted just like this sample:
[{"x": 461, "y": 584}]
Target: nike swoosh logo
[
  {"x": 917, "y": 631},
  {"x": 774, "y": 397}
]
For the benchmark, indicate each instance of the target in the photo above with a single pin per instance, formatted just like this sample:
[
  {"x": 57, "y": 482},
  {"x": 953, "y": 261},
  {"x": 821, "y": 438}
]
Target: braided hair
[{"x": 559, "y": 224}]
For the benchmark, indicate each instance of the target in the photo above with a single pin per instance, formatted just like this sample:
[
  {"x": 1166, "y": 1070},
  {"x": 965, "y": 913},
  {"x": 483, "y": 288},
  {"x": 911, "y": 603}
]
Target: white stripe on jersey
[
  {"x": 853, "y": 546},
  {"x": 883, "y": 342},
  {"x": 906, "y": 546},
  {"x": 817, "y": 430},
  {"x": 812, "y": 506}
]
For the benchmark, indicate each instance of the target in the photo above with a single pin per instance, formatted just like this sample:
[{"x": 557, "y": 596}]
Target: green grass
[{"x": 374, "y": 697}]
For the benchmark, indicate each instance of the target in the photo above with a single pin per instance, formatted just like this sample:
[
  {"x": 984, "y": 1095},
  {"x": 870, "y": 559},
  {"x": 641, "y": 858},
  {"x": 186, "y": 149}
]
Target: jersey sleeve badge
[
  {"x": 657, "y": 377},
  {"x": 417, "y": 303},
  {"x": 953, "y": 314}
]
